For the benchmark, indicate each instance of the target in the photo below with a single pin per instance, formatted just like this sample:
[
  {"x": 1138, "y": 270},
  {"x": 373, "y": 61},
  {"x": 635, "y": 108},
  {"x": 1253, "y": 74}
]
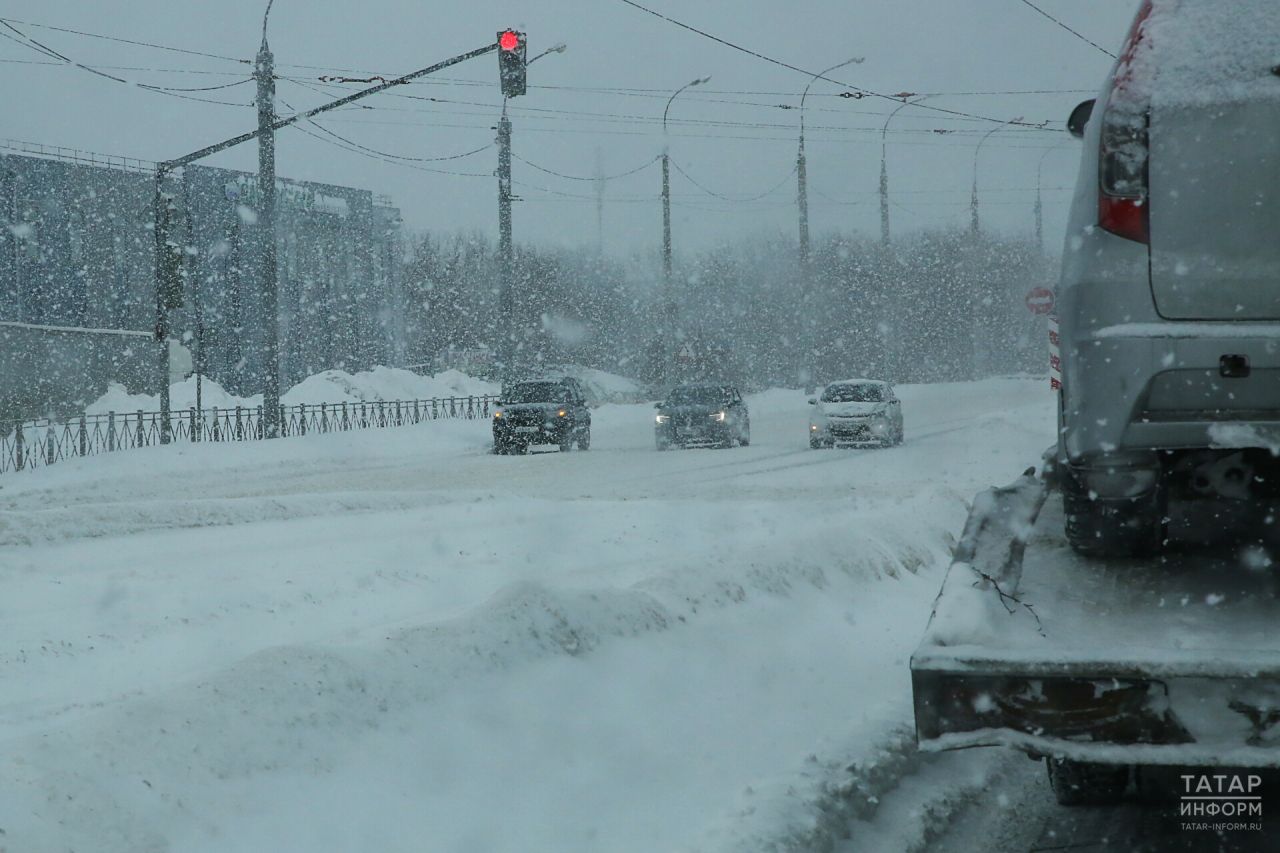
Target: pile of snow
[
  {"x": 331, "y": 386},
  {"x": 384, "y": 383}
]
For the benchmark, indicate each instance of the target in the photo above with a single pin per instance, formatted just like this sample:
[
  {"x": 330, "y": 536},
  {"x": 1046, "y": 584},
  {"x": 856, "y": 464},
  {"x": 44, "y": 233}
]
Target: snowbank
[
  {"x": 331, "y": 386},
  {"x": 358, "y": 641}
]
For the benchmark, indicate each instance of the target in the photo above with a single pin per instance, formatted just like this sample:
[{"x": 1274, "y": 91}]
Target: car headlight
[
  {"x": 497, "y": 414},
  {"x": 662, "y": 419},
  {"x": 718, "y": 416},
  {"x": 561, "y": 413},
  {"x": 813, "y": 427}
]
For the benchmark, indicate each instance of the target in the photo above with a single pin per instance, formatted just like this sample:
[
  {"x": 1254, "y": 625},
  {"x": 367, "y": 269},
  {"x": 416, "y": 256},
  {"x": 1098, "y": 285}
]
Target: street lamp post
[
  {"x": 668, "y": 283},
  {"x": 802, "y": 189},
  {"x": 884, "y": 169},
  {"x": 974, "y": 224},
  {"x": 1039, "y": 207}
]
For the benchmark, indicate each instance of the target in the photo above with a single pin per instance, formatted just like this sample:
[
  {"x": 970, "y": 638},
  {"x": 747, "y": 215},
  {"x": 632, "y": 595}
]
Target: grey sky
[{"x": 730, "y": 142}]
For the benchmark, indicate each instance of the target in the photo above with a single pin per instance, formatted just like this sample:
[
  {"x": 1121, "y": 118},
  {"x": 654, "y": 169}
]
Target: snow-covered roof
[
  {"x": 857, "y": 382},
  {"x": 1202, "y": 52}
]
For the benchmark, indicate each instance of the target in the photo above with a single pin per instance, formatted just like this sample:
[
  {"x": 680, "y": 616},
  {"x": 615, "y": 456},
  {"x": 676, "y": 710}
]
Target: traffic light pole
[
  {"x": 506, "y": 263},
  {"x": 167, "y": 278},
  {"x": 264, "y": 72}
]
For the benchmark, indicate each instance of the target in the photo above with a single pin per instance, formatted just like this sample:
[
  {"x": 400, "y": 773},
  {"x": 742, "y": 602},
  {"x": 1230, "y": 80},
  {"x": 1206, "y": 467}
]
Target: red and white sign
[
  {"x": 1040, "y": 300},
  {"x": 1055, "y": 355}
]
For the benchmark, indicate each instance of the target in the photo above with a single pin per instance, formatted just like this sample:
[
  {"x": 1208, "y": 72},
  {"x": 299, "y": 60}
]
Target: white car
[{"x": 856, "y": 411}]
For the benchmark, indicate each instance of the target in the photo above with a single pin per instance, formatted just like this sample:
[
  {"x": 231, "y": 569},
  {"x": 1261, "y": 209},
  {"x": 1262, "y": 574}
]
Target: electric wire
[
  {"x": 354, "y": 148},
  {"x": 1022, "y": 126},
  {"x": 639, "y": 168},
  {"x": 127, "y": 41},
  {"x": 862, "y": 92},
  {"x": 39, "y": 47},
  {"x": 722, "y": 197},
  {"x": 1068, "y": 29}
]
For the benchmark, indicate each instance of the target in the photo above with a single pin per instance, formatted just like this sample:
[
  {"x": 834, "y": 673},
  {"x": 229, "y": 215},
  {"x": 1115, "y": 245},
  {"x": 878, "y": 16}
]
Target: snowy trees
[{"x": 936, "y": 306}]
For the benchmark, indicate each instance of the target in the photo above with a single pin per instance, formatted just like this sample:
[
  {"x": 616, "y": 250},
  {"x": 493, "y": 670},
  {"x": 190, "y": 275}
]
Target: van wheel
[
  {"x": 1078, "y": 783},
  {"x": 1117, "y": 527},
  {"x": 584, "y": 439}
]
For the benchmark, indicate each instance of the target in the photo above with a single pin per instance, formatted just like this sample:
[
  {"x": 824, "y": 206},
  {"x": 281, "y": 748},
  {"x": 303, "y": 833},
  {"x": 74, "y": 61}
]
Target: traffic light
[{"x": 511, "y": 62}]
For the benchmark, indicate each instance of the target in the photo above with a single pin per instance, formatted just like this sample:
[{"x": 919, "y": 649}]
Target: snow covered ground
[
  {"x": 395, "y": 641},
  {"x": 330, "y": 386}
]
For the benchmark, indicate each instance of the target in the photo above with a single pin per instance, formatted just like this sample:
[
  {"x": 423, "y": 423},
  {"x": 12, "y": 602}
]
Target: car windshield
[
  {"x": 702, "y": 394},
  {"x": 854, "y": 394},
  {"x": 534, "y": 392}
]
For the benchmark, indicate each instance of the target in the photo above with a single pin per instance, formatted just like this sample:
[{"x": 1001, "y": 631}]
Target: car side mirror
[
  {"x": 813, "y": 401},
  {"x": 1080, "y": 117}
]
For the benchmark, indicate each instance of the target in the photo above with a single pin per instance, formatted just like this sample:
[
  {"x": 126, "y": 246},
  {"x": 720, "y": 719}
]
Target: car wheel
[
  {"x": 745, "y": 439},
  {"x": 816, "y": 444},
  {"x": 518, "y": 448},
  {"x": 1119, "y": 527},
  {"x": 1078, "y": 783},
  {"x": 584, "y": 439}
]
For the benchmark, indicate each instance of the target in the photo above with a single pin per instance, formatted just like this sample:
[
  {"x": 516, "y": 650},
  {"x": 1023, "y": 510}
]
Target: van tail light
[{"x": 1125, "y": 148}]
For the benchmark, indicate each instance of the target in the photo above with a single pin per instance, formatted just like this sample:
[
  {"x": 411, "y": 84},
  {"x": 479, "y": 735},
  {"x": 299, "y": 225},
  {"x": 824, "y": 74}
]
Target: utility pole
[
  {"x": 264, "y": 71},
  {"x": 802, "y": 197},
  {"x": 808, "y": 337},
  {"x": 192, "y": 274},
  {"x": 506, "y": 264},
  {"x": 669, "y": 286},
  {"x": 1039, "y": 222},
  {"x": 599, "y": 201},
  {"x": 167, "y": 290},
  {"x": 974, "y": 224}
]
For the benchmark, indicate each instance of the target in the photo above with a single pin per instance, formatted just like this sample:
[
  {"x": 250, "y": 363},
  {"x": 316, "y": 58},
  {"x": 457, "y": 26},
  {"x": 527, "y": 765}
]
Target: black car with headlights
[
  {"x": 704, "y": 415},
  {"x": 541, "y": 411}
]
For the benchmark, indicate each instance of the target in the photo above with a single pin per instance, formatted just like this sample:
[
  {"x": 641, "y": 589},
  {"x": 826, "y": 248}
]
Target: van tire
[{"x": 1133, "y": 527}]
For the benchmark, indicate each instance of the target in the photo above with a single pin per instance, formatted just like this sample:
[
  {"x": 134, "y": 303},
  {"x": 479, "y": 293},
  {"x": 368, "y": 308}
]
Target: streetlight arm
[
  {"x": 266, "y": 15},
  {"x": 697, "y": 82},
  {"x": 815, "y": 78}
]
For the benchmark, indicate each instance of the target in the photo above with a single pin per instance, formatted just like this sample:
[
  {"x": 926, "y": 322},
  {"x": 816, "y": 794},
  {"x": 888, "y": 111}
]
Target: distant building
[{"x": 77, "y": 251}]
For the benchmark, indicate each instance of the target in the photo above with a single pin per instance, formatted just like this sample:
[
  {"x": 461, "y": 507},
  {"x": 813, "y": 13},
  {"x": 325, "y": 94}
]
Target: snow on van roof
[
  {"x": 1203, "y": 52},
  {"x": 858, "y": 382}
]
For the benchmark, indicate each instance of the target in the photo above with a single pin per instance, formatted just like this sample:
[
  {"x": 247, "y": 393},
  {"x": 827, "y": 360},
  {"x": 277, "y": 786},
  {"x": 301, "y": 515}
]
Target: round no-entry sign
[{"x": 1040, "y": 300}]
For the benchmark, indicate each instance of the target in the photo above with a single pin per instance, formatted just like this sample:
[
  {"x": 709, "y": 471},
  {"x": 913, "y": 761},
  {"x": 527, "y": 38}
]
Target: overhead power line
[
  {"x": 861, "y": 92},
  {"x": 722, "y": 197},
  {"x": 1068, "y": 29},
  {"x": 128, "y": 41},
  {"x": 393, "y": 159},
  {"x": 639, "y": 168},
  {"x": 43, "y": 49}
]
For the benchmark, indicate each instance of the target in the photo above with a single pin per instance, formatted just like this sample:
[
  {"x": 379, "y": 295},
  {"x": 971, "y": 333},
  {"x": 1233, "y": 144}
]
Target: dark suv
[
  {"x": 542, "y": 411},
  {"x": 702, "y": 414}
]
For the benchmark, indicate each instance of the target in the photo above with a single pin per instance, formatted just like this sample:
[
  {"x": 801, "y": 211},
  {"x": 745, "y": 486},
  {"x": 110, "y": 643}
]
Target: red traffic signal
[{"x": 511, "y": 62}]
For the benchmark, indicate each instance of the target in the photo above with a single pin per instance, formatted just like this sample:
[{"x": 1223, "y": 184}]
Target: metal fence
[{"x": 39, "y": 443}]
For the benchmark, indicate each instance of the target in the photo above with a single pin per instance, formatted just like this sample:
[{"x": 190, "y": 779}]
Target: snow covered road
[{"x": 394, "y": 640}]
